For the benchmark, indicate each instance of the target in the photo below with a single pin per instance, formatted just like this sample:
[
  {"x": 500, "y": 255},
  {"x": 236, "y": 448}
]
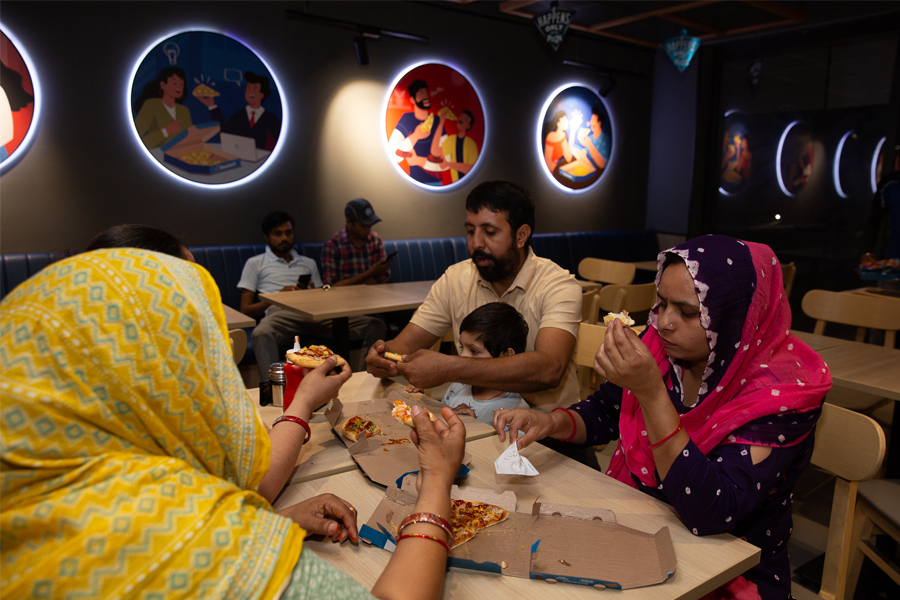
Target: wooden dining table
[
  {"x": 341, "y": 303},
  {"x": 237, "y": 320},
  {"x": 324, "y": 454},
  {"x": 703, "y": 562}
]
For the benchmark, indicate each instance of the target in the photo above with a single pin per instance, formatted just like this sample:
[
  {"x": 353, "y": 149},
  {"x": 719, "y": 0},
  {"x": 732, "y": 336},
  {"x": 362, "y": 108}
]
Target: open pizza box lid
[
  {"x": 553, "y": 542},
  {"x": 384, "y": 458}
]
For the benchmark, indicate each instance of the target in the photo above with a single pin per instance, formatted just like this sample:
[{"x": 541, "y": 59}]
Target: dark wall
[{"x": 85, "y": 172}]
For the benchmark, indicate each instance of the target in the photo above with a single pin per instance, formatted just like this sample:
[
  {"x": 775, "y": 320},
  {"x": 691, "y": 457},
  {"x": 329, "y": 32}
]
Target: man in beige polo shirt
[{"x": 503, "y": 268}]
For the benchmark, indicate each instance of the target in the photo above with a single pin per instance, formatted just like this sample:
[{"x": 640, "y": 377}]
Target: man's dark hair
[
  {"x": 274, "y": 219},
  {"x": 595, "y": 110},
  {"x": 138, "y": 236},
  {"x": 262, "y": 80},
  {"x": 414, "y": 87},
  {"x": 466, "y": 111},
  {"x": 506, "y": 196},
  {"x": 499, "y": 326}
]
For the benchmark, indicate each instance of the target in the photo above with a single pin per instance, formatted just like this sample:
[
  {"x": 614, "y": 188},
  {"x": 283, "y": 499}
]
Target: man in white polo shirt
[
  {"x": 280, "y": 269},
  {"x": 503, "y": 268}
]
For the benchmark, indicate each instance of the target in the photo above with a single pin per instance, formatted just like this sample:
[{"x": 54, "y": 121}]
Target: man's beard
[
  {"x": 424, "y": 104},
  {"x": 500, "y": 268},
  {"x": 282, "y": 248}
]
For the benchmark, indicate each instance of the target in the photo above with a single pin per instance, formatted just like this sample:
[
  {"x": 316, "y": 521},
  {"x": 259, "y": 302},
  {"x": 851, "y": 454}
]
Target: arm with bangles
[
  {"x": 416, "y": 569},
  {"x": 318, "y": 387}
]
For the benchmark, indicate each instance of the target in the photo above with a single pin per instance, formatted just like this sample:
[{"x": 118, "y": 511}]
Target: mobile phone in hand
[
  {"x": 303, "y": 281},
  {"x": 391, "y": 256}
]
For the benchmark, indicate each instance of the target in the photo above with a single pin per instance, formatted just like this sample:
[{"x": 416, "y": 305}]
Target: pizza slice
[
  {"x": 393, "y": 356},
  {"x": 622, "y": 316},
  {"x": 310, "y": 357},
  {"x": 468, "y": 517},
  {"x": 356, "y": 427},
  {"x": 403, "y": 413}
]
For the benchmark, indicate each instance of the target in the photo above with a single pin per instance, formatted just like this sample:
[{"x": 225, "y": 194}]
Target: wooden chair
[
  {"x": 590, "y": 309},
  {"x": 851, "y": 446},
  {"x": 633, "y": 298},
  {"x": 788, "y": 272},
  {"x": 238, "y": 339},
  {"x": 877, "y": 508},
  {"x": 606, "y": 271},
  {"x": 590, "y": 336},
  {"x": 864, "y": 311}
]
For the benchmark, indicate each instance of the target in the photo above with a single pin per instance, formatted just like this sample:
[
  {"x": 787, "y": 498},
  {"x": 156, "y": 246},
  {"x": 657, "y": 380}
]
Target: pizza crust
[
  {"x": 393, "y": 356},
  {"x": 622, "y": 316}
]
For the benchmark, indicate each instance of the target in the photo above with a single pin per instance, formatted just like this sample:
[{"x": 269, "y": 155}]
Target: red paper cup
[{"x": 293, "y": 375}]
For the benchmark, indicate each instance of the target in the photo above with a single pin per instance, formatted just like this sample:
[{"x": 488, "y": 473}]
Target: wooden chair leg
[
  {"x": 861, "y": 531},
  {"x": 837, "y": 556}
]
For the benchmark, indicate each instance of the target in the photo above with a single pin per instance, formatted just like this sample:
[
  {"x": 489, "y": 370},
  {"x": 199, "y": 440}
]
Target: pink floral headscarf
[{"x": 762, "y": 385}]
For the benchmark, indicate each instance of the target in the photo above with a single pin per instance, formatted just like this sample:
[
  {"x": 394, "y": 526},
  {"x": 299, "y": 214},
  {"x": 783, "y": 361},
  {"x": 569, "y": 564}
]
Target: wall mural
[
  {"x": 435, "y": 126},
  {"x": 737, "y": 158},
  {"x": 575, "y": 137},
  {"x": 795, "y": 158},
  {"x": 18, "y": 100},
  {"x": 207, "y": 108}
]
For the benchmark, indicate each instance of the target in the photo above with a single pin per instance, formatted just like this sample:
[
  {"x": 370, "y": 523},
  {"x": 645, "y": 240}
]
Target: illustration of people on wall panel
[
  {"x": 206, "y": 107},
  {"x": 435, "y": 125},
  {"x": 17, "y": 98},
  {"x": 575, "y": 137}
]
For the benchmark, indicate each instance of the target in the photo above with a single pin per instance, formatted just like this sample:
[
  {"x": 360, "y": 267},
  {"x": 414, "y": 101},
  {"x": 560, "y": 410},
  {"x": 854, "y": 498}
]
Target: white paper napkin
[{"x": 513, "y": 463}]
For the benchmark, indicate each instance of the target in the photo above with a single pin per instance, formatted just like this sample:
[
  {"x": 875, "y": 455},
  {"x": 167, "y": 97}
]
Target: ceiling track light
[
  {"x": 362, "y": 32},
  {"x": 609, "y": 82}
]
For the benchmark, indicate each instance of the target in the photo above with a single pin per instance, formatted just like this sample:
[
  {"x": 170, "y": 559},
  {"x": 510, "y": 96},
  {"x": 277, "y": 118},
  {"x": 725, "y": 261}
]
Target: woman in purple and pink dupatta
[{"x": 714, "y": 406}]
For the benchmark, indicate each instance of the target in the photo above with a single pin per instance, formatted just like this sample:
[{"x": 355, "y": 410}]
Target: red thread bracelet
[
  {"x": 574, "y": 424},
  {"x": 668, "y": 437},
  {"x": 425, "y": 537},
  {"x": 296, "y": 420}
]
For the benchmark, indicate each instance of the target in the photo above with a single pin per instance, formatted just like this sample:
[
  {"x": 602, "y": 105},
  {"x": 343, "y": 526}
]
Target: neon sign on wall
[{"x": 206, "y": 109}]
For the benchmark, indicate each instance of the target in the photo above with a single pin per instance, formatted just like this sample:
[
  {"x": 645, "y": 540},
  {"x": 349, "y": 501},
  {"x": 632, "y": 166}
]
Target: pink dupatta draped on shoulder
[{"x": 762, "y": 385}]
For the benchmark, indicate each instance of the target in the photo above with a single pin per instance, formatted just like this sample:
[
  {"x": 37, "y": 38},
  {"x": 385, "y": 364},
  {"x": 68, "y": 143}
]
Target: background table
[
  {"x": 704, "y": 563},
  {"x": 819, "y": 342},
  {"x": 347, "y": 301},
  {"x": 237, "y": 320},
  {"x": 324, "y": 454}
]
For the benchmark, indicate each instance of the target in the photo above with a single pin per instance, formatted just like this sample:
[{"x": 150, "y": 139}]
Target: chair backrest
[
  {"x": 848, "y": 444},
  {"x": 606, "y": 271},
  {"x": 590, "y": 307},
  {"x": 238, "y": 339},
  {"x": 860, "y": 310},
  {"x": 788, "y": 272},
  {"x": 633, "y": 298},
  {"x": 589, "y": 339}
]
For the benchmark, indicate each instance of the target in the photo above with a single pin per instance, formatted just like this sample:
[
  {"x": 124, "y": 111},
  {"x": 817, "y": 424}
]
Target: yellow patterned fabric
[{"x": 131, "y": 451}]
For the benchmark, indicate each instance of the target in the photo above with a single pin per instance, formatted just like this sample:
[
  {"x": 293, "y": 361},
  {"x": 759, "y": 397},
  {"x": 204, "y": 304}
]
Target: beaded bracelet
[
  {"x": 668, "y": 437},
  {"x": 574, "y": 424},
  {"x": 433, "y": 519},
  {"x": 425, "y": 537},
  {"x": 296, "y": 420}
]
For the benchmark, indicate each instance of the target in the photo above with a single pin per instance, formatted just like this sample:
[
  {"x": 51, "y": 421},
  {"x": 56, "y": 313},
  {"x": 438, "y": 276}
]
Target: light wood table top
[
  {"x": 819, "y": 342},
  {"x": 237, "y": 320},
  {"x": 324, "y": 454},
  {"x": 865, "y": 368},
  {"x": 352, "y": 300},
  {"x": 704, "y": 563}
]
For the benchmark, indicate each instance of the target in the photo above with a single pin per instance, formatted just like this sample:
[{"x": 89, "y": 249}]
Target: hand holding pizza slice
[{"x": 310, "y": 357}]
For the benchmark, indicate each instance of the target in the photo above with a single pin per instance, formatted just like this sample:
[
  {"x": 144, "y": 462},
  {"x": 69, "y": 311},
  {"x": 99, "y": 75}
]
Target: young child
[{"x": 489, "y": 331}]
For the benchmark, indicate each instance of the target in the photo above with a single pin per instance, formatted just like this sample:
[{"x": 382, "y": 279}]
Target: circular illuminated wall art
[
  {"x": 206, "y": 108},
  {"x": 737, "y": 159},
  {"x": 795, "y": 158},
  {"x": 575, "y": 137},
  {"x": 877, "y": 163},
  {"x": 19, "y": 100},
  {"x": 434, "y": 125}
]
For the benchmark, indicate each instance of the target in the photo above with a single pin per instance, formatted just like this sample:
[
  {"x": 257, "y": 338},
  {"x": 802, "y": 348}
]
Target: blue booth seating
[{"x": 417, "y": 260}]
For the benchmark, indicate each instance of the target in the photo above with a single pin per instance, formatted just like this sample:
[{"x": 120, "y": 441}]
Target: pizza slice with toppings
[
  {"x": 403, "y": 413},
  {"x": 468, "y": 517},
  {"x": 310, "y": 357},
  {"x": 357, "y": 427}
]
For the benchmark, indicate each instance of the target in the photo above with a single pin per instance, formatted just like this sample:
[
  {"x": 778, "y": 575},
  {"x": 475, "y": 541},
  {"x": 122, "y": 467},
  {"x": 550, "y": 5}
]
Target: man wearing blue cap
[{"x": 355, "y": 254}]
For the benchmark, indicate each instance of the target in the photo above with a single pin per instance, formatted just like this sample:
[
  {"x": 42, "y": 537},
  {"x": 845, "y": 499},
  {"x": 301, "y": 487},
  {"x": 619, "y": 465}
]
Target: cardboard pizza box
[
  {"x": 194, "y": 139},
  {"x": 552, "y": 542},
  {"x": 384, "y": 458}
]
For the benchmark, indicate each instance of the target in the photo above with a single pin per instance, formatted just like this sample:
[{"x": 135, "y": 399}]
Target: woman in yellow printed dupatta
[{"x": 131, "y": 453}]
